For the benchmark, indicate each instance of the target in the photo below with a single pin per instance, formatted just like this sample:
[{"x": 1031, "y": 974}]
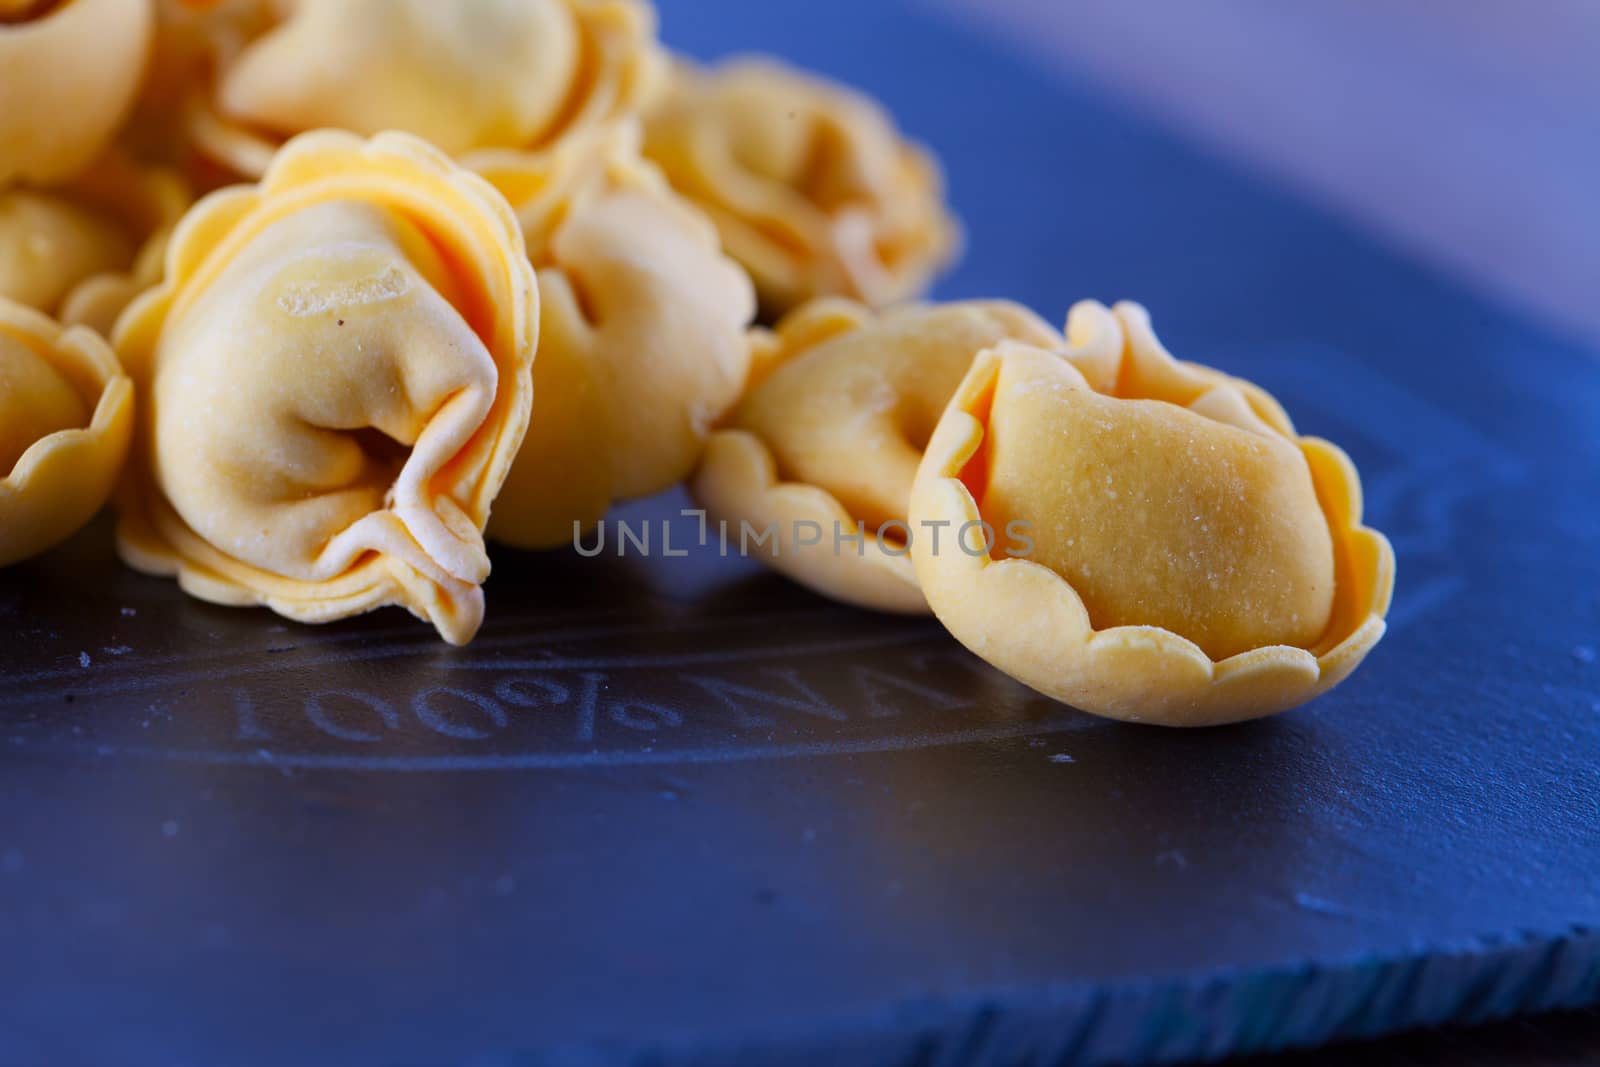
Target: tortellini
[
  {"x": 466, "y": 75},
  {"x": 331, "y": 375},
  {"x": 93, "y": 230},
  {"x": 70, "y": 69},
  {"x": 642, "y": 345},
  {"x": 811, "y": 186},
  {"x": 1188, "y": 558},
  {"x": 823, "y": 450},
  {"x": 336, "y": 377},
  {"x": 66, "y": 414}
]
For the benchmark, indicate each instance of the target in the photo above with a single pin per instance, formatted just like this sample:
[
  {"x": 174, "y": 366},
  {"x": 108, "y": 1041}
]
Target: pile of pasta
[{"x": 324, "y": 296}]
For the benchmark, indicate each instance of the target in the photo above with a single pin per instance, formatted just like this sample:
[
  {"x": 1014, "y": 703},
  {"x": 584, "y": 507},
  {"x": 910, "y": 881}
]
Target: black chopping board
[{"x": 676, "y": 811}]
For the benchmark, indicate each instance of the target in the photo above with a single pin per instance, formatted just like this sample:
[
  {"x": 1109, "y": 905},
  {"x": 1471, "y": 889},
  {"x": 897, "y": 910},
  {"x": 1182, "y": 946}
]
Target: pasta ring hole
[
  {"x": 382, "y": 450},
  {"x": 916, "y": 426}
]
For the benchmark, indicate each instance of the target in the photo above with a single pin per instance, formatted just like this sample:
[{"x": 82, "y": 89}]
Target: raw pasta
[
  {"x": 1188, "y": 558},
  {"x": 337, "y": 375}
]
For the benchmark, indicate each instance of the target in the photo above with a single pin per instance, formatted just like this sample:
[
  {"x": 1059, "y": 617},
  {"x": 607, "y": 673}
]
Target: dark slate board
[{"x": 677, "y": 812}]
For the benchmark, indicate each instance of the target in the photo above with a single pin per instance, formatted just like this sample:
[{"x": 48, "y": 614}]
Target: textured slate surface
[
  {"x": 674, "y": 811},
  {"x": 1560, "y": 1039}
]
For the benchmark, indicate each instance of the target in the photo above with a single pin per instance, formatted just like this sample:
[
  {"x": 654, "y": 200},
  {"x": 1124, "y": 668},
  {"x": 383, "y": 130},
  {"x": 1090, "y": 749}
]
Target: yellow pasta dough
[
  {"x": 811, "y": 186},
  {"x": 465, "y": 75},
  {"x": 66, "y": 414},
  {"x": 1188, "y": 559},
  {"x": 642, "y": 344},
  {"x": 49, "y": 243},
  {"x": 93, "y": 227},
  {"x": 337, "y": 375},
  {"x": 826, "y": 445},
  {"x": 36, "y": 400},
  {"x": 99, "y": 299},
  {"x": 70, "y": 72},
  {"x": 192, "y": 40}
]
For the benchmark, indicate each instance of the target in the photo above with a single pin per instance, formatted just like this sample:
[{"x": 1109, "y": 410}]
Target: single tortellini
[
  {"x": 106, "y": 224},
  {"x": 1186, "y": 558},
  {"x": 66, "y": 414},
  {"x": 465, "y": 75},
  {"x": 817, "y": 461},
  {"x": 811, "y": 186},
  {"x": 643, "y": 341},
  {"x": 336, "y": 376},
  {"x": 69, "y": 70}
]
